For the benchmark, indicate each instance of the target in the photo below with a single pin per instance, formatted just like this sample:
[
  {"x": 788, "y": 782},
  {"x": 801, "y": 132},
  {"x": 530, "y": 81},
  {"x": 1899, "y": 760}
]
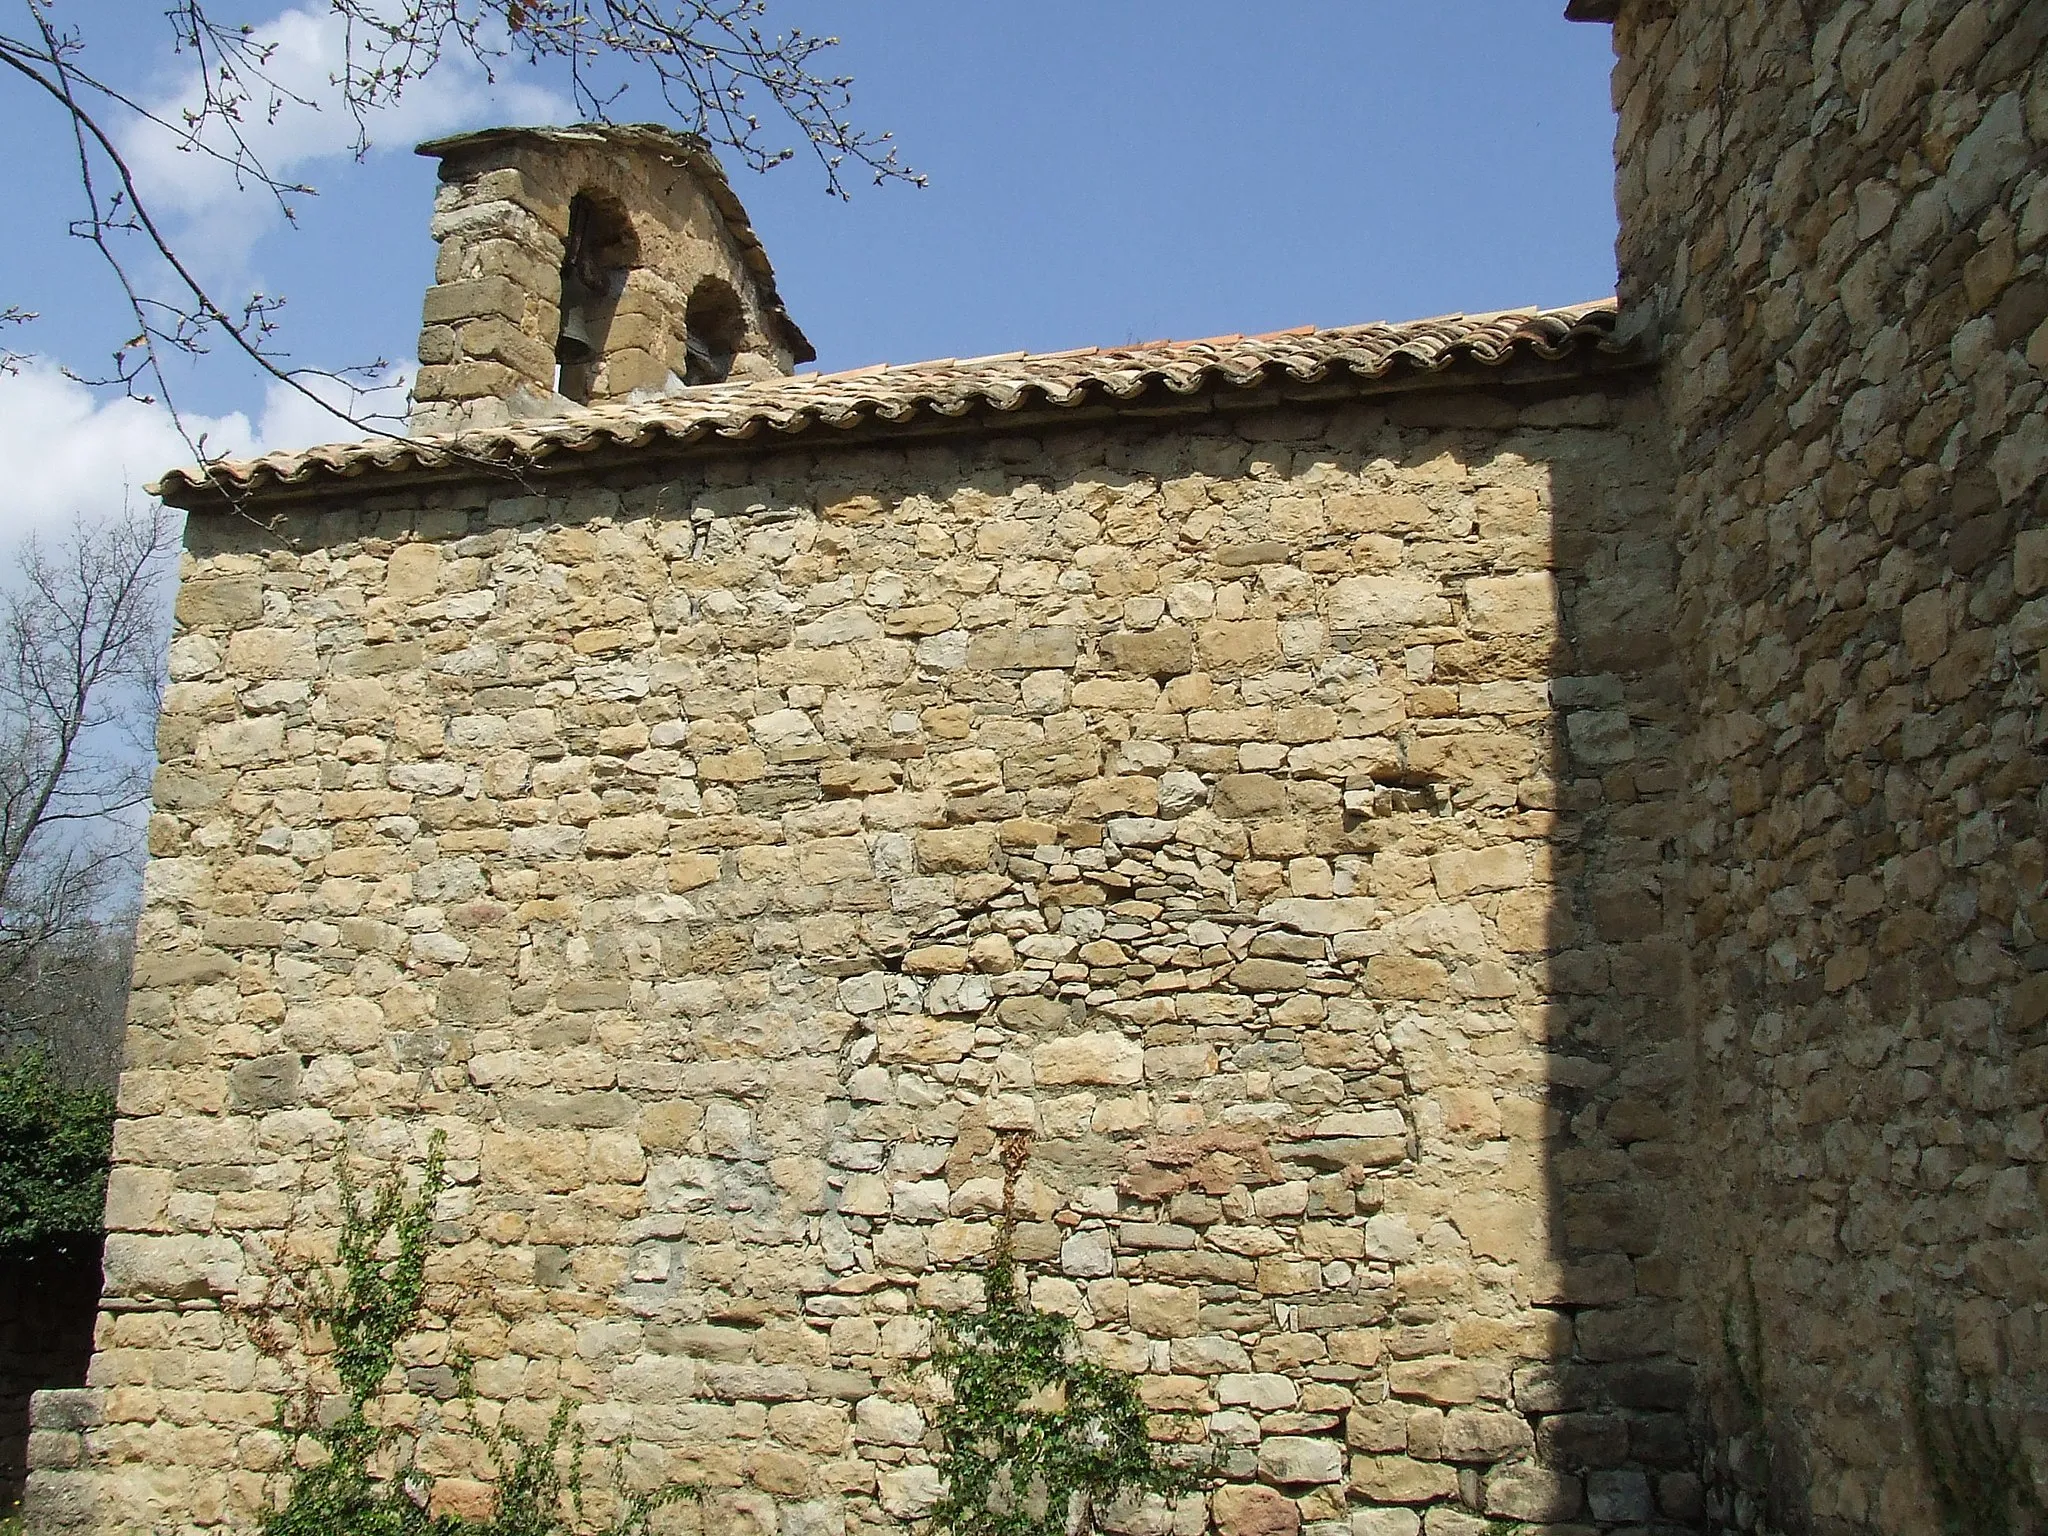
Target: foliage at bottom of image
[
  {"x": 362, "y": 1481},
  {"x": 55, "y": 1140},
  {"x": 1036, "y": 1438},
  {"x": 1980, "y": 1475}
]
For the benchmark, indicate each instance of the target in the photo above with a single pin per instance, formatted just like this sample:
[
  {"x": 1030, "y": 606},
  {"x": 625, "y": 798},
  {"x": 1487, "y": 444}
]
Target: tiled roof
[{"x": 886, "y": 396}]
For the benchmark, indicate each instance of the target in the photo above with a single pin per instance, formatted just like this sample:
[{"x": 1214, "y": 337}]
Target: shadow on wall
[
  {"x": 47, "y": 1307},
  {"x": 1610, "y": 1413}
]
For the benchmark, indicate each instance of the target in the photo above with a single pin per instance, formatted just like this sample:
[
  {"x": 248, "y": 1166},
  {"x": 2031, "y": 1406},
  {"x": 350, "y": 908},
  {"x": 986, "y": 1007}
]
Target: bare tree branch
[
  {"x": 13, "y": 314},
  {"x": 81, "y": 647},
  {"x": 177, "y": 325},
  {"x": 713, "y": 67}
]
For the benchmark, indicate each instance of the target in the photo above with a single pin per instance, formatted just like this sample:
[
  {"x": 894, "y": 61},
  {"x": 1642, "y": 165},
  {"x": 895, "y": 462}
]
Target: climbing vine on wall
[
  {"x": 1036, "y": 1438},
  {"x": 1977, "y": 1467},
  {"x": 361, "y": 1478}
]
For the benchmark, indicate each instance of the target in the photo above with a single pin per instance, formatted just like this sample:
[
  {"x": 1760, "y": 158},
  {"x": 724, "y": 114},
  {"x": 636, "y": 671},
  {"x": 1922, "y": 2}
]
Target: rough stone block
[
  {"x": 1254, "y": 1511},
  {"x": 1525, "y": 604},
  {"x": 1399, "y": 1480},
  {"x": 1524, "y": 1492},
  {"x": 1022, "y": 649},
  {"x": 1164, "y": 652},
  {"x": 1091, "y": 1058},
  {"x": 1295, "y": 1460},
  {"x": 1385, "y": 602}
]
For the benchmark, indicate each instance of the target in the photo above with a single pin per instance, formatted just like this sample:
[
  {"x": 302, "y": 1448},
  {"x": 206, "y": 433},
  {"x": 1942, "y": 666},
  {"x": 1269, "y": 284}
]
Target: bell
[
  {"x": 575, "y": 344},
  {"x": 705, "y": 366}
]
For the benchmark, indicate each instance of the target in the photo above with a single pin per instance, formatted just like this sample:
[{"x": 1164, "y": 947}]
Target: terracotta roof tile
[{"x": 895, "y": 394}]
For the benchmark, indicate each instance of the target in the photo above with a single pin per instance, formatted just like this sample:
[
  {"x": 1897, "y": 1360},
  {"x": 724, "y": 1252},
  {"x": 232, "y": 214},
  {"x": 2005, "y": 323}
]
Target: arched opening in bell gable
[
  {"x": 715, "y": 330},
  {"x": 597, "y": 254}
]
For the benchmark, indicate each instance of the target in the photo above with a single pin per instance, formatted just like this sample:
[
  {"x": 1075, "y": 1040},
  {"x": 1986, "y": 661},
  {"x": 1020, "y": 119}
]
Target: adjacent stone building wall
[
  {"x": 1834, "y": 223},
  {"x": 1271, "y": 816}
]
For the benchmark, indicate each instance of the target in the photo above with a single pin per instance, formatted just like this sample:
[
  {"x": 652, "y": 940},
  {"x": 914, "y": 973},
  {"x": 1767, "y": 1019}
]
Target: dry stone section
[
  {"x": 1835, "y": 220},
  {"x": 1271, "y": 817}
]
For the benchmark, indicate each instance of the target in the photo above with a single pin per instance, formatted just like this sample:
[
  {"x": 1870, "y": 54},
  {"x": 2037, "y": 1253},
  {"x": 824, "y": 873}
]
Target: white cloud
[
  {"x": 309, "y": 46},
  {"x": 68, "y": 452}
]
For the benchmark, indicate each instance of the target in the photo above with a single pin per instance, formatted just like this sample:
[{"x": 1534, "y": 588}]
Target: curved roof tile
[{"x": 885, "y": 395}]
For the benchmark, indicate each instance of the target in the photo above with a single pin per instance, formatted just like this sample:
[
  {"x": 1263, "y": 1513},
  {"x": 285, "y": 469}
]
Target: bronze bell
[
  {"x": 575, "y": 344},
  {"x": 591, "y": 285}
]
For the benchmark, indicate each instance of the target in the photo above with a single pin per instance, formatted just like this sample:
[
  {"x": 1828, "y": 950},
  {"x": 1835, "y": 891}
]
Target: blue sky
[{"x": 1100, "y": 173}]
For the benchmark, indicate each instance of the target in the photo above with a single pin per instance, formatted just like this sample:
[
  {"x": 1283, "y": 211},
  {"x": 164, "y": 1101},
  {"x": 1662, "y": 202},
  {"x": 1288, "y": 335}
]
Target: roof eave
[{"x": 1155, "y": 402}]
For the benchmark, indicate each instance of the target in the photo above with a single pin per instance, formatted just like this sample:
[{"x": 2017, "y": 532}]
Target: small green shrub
[
  {"x": 1980, "y": 1475},
  {"x": 55, "y": 1141},
  {"x": 1035, "y": 1437},
  {"x": 361, "y": 1480}
]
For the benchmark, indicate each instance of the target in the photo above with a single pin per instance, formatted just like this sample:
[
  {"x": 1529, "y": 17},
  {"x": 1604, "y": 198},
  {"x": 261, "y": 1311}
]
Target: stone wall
[
  {"x": 1271, "y": 816},
  {"x": 1834, "y": 220}
]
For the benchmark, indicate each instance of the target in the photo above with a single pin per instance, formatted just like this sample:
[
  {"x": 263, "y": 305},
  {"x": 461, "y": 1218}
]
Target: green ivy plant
[
  {"x": 1742, "y": 1346},
  {"x": 1035, "y": 1437},
  {"x": 361, "y": 1479},
  {"x": 55, "y": 1141},
  {"x": 1977, "y": 1470}
]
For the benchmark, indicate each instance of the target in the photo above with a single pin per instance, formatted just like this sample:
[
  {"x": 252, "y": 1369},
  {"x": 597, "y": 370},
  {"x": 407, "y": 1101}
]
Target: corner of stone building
[
  {"x": 1834, "y": 222},
  {"x": 61, "y": 1493},
  {"x": 583, "y": 265}
]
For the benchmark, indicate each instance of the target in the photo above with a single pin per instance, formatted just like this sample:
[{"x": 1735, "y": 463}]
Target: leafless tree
[
  {"x": 12, "y": 314},
  {"x": 81, "y": 647},
  {"x": 713, "y": 68}
]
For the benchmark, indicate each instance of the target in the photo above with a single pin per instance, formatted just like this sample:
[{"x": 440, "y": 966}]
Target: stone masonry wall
[
  {"x": 1835, "y": 220},
  {"x": 1273, "y": 818}
]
